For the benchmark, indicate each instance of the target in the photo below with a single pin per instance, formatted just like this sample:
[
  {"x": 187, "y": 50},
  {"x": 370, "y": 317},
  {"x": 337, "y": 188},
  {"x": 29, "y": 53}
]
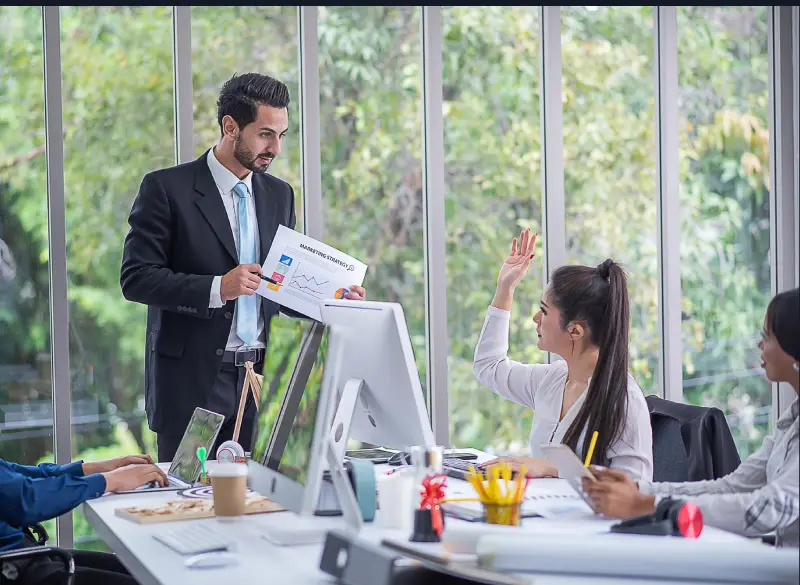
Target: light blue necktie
[{"x": 246, "y": 308}]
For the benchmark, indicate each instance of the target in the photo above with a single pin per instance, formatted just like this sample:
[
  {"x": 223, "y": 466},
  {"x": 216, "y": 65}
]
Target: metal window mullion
[
  {"x": 57, "y": 253},
  {"x": 783, "y": 189},
  {"x": 182, "y": 79},
  {"x": 796, "y": 124},
  {"x": 310, "y": 156},
  {"x": 434, "y": 224},
  {"x": 554, "y": 238},
  {"x": 668, "y": 175},
  {"x": 551, "y": 123}
]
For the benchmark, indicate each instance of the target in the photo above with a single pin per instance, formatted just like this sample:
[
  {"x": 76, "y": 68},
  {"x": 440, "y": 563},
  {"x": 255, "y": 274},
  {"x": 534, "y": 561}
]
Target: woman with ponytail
[{"x": 584, "y": 317}]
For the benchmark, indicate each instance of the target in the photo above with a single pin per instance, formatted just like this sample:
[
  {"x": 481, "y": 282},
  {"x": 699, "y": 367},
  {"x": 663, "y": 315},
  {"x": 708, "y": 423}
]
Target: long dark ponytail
[{"x": 599, "y": 297}]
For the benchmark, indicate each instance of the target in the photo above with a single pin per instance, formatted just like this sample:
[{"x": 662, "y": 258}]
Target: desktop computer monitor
[
  {"x": 291, "y": 428},
  {"x": 369, "y": 342}
]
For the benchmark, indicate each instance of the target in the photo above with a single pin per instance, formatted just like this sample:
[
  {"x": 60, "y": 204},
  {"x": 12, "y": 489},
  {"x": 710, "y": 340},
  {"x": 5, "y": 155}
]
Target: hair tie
[{"x": 604, "y": 269}]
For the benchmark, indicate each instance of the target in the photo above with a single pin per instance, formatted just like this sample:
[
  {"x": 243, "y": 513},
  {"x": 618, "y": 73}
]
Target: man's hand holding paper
[{"x": 301, "y": 272}]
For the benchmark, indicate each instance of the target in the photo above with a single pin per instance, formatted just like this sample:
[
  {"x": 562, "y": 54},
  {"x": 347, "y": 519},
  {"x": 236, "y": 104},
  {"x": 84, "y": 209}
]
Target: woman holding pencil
[
  {"x": 584, "y": 317},
  {"x": 763, "y": 494}
]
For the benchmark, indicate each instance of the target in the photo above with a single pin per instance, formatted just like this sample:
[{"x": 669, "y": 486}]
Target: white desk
[{"x": 152, "y": 563}]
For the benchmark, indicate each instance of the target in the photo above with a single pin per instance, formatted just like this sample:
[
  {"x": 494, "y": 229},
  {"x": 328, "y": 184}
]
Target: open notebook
[{"x": 543, "y": 499}]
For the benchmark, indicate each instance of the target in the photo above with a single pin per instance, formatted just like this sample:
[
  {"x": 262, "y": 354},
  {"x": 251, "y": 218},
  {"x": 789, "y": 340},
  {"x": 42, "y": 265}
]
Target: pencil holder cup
[{"x": 505, "y": 514}]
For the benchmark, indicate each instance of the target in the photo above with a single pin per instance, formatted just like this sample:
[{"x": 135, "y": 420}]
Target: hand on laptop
[
  {"x": 131, "y": 477},
  {"x": 91, "y": 467},
  {"x": 536, "y": 467}
]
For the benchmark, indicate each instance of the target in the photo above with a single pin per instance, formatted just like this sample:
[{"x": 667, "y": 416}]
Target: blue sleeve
[
  {"x": 43, "y": 469},
  {"x": 25, "y": 500}
]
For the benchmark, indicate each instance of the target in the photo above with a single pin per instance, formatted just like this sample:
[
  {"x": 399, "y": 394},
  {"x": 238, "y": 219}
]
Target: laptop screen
[
  {"x": 201, "y": 431},
  {"x": 293, "y": 370}
]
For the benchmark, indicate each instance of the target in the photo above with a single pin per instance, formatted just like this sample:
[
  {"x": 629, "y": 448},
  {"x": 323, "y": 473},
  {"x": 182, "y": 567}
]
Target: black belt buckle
[{"x": 242, "y": 356}]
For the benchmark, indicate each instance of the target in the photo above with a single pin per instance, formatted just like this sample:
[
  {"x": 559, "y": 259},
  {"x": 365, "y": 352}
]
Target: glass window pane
[
  {"x": 26, "y": 393},
  {"x": 371, "y": 126},
  {"x": 118, "y": 126},
  {"x": 724, "y": 173},
  {"x": 228, "y": 40},
  {"x": 609, "y": 159},
  {"x": 492, "y": 191}
]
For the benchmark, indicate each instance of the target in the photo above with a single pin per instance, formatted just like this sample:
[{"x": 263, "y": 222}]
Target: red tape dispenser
[{"x": 429, "y": 519}]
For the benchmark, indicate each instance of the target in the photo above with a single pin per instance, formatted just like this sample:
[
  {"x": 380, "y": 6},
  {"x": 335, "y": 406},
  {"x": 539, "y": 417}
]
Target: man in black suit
[{"x": 199, "y": 233}]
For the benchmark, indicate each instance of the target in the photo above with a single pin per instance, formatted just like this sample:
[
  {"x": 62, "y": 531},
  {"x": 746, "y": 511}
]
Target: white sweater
[
  {"x": 541, "y": 388},
  {"x": 760, "y": 496}
]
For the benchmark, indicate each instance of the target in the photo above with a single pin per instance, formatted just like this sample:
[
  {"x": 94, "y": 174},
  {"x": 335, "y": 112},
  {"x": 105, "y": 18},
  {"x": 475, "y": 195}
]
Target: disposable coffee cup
[{"x": 229, "y": 486}]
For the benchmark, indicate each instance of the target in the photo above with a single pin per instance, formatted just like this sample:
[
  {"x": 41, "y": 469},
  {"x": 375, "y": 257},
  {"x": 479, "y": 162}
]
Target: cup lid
[{"x": 227, "y": 470}]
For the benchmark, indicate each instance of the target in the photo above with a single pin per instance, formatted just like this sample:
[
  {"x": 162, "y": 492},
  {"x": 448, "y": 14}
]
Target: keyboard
[
  {"x": 194, "y": 539},
  {"x": 457, "y": 468},
  {"x": 172, "y": 483}
]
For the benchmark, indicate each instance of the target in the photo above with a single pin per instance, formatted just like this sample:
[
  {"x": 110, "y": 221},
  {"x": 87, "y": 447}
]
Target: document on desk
[
  {"x": 301, "y": 272},
  {"x": 544, "y": 503}
]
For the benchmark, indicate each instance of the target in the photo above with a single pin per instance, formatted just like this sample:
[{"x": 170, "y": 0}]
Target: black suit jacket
[
  {"x": 179, "y": 240},
  {"x": 690, "y": 443}
]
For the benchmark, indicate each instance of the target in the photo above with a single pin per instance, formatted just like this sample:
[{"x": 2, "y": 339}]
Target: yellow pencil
[
  {"x": 591, "y": 449},
  {"x": 475, "y": 479},
  {"x": 519, "y": 492}
]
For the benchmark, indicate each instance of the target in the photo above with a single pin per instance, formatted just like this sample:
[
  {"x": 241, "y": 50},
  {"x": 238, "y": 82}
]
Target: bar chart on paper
[{"x": 302, "y": 272}]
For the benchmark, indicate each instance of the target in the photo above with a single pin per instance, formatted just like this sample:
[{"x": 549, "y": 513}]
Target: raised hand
[{"x": 516, "y": 263}]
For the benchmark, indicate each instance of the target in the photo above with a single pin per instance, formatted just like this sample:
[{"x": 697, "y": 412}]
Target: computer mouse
[
  {"x": 399, "y": 457},
  {"x": 211, "y": 560}
]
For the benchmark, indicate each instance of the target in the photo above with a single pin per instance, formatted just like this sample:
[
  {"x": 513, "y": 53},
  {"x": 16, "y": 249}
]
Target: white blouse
[{"x": 541, "y": 388}]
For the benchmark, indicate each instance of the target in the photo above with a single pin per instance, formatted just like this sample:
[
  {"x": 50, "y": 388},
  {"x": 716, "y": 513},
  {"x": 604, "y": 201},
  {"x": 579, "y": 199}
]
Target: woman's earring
[{"x": 796, "y": 366}]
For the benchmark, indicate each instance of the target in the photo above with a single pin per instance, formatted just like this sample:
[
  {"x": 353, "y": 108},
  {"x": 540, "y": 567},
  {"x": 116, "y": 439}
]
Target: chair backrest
[
  {"x": 670, "y": 460},
  {"x": 11, "y": 556},
  {"x": 690, "y": 443}
]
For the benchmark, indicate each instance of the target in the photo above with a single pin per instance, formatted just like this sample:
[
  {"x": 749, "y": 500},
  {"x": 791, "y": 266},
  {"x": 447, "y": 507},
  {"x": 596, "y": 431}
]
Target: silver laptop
[{"x": 184, "y": 471}]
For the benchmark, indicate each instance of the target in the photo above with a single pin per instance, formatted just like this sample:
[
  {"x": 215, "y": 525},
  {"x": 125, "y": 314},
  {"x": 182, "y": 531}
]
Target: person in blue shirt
[{"x": 30, "y": 495}]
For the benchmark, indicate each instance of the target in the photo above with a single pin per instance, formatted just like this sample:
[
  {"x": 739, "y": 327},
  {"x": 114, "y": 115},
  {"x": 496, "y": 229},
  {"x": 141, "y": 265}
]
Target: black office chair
[
  {"x": 33, "y": 552},
  {"x": 690, "y": 443}
]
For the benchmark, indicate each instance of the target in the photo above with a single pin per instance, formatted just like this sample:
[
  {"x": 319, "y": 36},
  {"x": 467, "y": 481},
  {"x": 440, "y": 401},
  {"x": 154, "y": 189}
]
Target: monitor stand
[
  {"x": 340, "y": 429},
  {"x": 309, "y": 529}
]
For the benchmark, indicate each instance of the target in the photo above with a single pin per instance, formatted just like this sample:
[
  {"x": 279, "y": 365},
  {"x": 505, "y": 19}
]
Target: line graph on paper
[{"x": 308, "y": 284}]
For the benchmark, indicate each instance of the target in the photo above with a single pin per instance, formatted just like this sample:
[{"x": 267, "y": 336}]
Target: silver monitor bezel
[{"x": 295, "y": 496}]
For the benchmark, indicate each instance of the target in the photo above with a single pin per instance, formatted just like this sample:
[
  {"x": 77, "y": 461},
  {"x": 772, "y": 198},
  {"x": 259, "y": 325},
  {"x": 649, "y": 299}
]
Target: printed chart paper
[{"x": 303, "y": 272}]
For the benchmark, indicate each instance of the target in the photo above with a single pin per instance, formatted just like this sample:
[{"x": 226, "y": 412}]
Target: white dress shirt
[
  {"x": 541, "y": 388},
  {"x": 226, "y": 181},
  {"x": 761, "y": 496}
]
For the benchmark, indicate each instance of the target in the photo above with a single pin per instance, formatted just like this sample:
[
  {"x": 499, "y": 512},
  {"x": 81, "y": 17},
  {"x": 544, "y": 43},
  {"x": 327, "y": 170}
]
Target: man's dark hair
[{"x": 241, "y": 95}]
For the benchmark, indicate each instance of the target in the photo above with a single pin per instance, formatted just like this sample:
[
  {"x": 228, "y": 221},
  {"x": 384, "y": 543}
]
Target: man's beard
[{"x": 247, "y": 159}]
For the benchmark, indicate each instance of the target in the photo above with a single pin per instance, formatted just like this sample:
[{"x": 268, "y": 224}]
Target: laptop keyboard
[
  {"x": 153, "y": 485},
  {"x": 458, "y": 468}
]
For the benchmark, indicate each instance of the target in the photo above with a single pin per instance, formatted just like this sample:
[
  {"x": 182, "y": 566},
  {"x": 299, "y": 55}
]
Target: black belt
[{"x": 240, "y": 356}]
